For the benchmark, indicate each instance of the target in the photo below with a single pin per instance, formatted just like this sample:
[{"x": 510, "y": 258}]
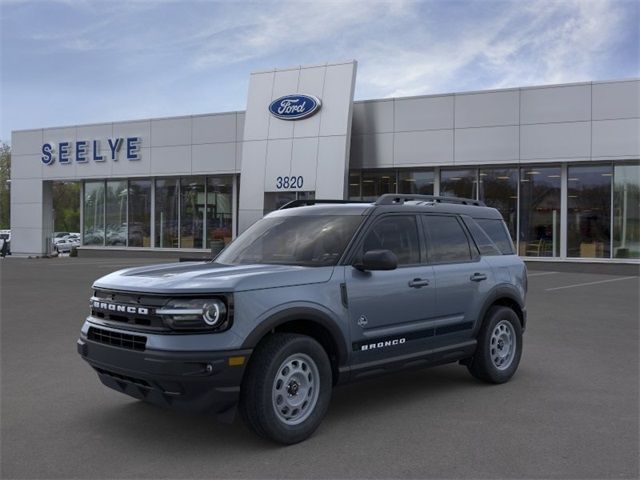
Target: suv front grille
[
  {"x": 117, "y": 339},
  {"x": 134, "y": 310}
]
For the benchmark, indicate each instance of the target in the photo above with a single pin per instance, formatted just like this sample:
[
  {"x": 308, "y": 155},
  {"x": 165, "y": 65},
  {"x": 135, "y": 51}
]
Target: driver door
[{"x": 390, "y": 309}]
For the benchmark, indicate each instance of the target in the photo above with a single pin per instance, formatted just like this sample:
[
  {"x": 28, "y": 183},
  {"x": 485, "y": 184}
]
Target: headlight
[{"x": 195, "y": 314}]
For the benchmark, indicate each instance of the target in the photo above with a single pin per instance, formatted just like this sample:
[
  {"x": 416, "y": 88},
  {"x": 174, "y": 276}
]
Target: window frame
[{"x": 353, "y": 255}]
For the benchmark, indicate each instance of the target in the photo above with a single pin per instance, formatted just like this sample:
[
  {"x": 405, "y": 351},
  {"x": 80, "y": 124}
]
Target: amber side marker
[{"x": 236, "y": 361}]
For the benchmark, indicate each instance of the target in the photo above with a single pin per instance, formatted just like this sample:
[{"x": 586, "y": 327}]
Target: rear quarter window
[{"x": 498, "y": 233}]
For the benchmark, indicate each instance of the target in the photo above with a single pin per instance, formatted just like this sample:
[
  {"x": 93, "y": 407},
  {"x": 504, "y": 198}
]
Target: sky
[{"x": 76, "y": 62}]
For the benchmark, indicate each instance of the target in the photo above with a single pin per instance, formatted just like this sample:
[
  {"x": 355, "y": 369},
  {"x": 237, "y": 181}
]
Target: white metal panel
[
  {"x": 23, "y": 189},
  {"x": 141, "y": 129},
  {"x": 616, "y": 100},
  {"x": 256, "y": 122},
  {"x": 213, "y": 158},
  {"x": 125, "y": 168},
  {"x": 254, "y": 155},
  {"x": 332, "y": 169},
  {"x": 486, "y": 144},
  {"x": 487, "y": 109},
  {"x": 555, "y": 104},
  {"x": 424, "y": 148},
  {"x": 278, "y": 162},
  {"x": 372, "y": 151},
  {"x": 171, "y": 132},
  {"x": 26, "y": 142},
  {"x": 239, "y": 156},
  {"x": 285, "y": 83},
  {"x": 25, "y": 240},
  {"x": 311, "y": 82},
  {"x": 372, "y": 117},
  {"x": 303, "y": 161},
  {"x": 26, "y": 166},
  {"x": 616, "y": 138},
  {"x": 555, "y": 140},
  {"x": 239, "y": 126},
  {"x": 27, "y": 215},
  {"x": 423, "y": 113},
  {"x": 214, "y": 128},
  {"x": 338, "y": 95},
  {"x": 171, "y": 160}
]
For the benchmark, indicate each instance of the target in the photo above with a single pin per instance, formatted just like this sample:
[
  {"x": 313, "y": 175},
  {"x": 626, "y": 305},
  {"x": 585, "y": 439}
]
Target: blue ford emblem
[{"x": 294, "y": 107}]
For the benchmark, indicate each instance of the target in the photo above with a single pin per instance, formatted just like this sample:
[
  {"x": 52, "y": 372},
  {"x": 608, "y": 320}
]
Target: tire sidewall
[
  {"x": 496, "y": 315},
  {"x": 295, "y": 433}
]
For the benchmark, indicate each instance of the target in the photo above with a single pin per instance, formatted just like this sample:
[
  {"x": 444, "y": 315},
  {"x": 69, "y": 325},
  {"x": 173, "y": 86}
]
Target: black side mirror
[{"x": 378, "y": 260}]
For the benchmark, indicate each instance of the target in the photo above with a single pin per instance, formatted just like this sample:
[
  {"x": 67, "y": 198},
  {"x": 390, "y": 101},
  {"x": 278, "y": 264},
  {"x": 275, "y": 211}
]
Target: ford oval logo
[{"x": 294, "y": 107}]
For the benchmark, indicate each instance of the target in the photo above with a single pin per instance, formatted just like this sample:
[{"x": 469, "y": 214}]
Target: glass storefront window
[
  {"x": 458, "y": 183},
  {"x": 274, "y": 200},
  {"x": 192, "y": 207},
  {"x": 419, "y": 182},
  {"x": 116, "y": 213},
  {"x": 93, "y": 214},
  {"x": 139, "y": 213},
  {"x": 376, "y": 183},
  {"x": 589, "y": 211},
  {"x": 219, "y": 212},
  {"x": 626, "y": 211},
  {"x": 540, "y": 211},
  {"x": 354, "y": 186},
  {"x": 166, "y": 213},
  {"x": 499, "y": 189}
]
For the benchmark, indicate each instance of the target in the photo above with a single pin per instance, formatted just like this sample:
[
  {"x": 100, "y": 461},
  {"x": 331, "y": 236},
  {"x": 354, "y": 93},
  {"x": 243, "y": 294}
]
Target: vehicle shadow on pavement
[{"x": 138, "y": 421}]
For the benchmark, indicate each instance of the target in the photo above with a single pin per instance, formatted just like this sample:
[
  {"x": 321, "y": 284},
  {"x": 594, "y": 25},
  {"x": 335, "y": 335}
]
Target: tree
[{"x": 5, "y": 185}]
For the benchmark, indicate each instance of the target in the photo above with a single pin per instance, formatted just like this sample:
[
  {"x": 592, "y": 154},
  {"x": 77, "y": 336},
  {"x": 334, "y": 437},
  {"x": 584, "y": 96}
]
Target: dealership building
[{"x": 561, "y": 162}]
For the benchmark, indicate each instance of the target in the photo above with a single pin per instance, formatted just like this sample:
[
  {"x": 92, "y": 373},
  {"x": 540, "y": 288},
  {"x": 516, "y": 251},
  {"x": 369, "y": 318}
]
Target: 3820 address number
[{"x": 284, "y": 183}]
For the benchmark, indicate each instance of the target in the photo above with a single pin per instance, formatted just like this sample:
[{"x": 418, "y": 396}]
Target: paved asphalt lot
[{"x": 571, "y": 411}]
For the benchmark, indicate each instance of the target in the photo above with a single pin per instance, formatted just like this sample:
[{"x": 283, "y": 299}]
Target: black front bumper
[{"x": 193, "y": 381}]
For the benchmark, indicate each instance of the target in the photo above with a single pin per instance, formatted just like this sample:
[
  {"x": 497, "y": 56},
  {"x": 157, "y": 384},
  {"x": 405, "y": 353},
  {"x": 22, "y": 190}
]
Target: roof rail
[
  {"x": 399, "y": 199},
  {"x": 303, "y": 203}
]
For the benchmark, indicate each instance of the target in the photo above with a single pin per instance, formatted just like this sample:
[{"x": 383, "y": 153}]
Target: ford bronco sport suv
[{"x": 316, "y": 294}]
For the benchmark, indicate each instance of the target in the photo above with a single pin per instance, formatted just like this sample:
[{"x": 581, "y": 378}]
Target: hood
[{"x": 205, "y": 277}]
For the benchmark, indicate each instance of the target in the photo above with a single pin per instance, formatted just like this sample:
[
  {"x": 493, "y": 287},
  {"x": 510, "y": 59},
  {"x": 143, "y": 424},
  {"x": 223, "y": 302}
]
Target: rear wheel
[
  {"x": 499, "y": 346},
  {"x": 287, "y": 388}
]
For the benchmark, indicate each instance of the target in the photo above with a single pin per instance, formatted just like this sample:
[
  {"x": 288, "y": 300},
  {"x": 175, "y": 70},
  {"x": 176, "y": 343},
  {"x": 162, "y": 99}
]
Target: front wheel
[
  {"x": 287, "y": 388},
  {"x": 499, "y": 346}
]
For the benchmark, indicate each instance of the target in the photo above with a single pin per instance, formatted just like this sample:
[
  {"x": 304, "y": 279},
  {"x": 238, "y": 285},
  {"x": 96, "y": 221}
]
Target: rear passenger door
[{"x": 462, "y": 278}]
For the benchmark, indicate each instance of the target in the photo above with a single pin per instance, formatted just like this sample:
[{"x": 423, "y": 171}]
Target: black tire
[
  {"x": 482, "y": 366},
  {"x": 257, "y": 406}
]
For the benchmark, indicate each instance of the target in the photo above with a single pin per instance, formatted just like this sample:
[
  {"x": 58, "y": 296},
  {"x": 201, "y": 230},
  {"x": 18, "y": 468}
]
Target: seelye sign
[
  {"x": 295, "y": 107},
  {"x": 84, "y": 150}
]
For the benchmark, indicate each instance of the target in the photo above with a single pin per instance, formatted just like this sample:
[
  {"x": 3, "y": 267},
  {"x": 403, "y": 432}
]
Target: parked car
[
  {"x": 65, "y": 245},
  {"x": 5, "y": 236},
  {"x": 316, "y": 294}
]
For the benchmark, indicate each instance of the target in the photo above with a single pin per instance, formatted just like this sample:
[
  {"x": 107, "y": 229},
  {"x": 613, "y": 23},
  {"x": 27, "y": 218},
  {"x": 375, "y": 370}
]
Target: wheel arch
[
  {"x": 503, "y": 296},
  {"x": 307, "y": 321}
]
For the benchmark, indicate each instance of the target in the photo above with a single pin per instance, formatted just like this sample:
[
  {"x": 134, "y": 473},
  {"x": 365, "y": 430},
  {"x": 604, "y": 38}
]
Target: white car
[{"x": 65, "y": 245}]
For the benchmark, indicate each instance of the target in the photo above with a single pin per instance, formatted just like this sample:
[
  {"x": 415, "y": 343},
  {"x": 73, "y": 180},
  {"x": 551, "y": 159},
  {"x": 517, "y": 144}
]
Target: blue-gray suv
[{"x": 316, "y": 294}]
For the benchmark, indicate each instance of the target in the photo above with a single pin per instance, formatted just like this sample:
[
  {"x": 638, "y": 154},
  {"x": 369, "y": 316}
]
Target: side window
[
  {"x": 484, "y": 243},
  {"x": 497, "y": 232},
  {"x": 398, "y": 234},
  {"x": 447, "y": 241}
]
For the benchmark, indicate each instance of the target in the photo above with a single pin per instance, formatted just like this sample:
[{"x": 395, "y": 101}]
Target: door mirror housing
[{"x": 377, "y": 260}]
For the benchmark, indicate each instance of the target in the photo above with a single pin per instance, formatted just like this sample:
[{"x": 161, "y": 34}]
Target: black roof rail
[
  {"x": 400, "y": 198},
  {"x": 304, "y": 203}
]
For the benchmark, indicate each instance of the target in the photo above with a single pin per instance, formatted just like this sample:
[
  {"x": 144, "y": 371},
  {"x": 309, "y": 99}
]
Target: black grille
[
  {"x": 148, "y": 321},
  {"x": 126, "y": 378},
  {"x": 117, "y": 339}
]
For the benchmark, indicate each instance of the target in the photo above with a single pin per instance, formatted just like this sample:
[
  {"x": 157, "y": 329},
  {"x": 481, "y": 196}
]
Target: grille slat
[
  {"x": 117, "y": 339},
  {"x": 148, "y": 320}
]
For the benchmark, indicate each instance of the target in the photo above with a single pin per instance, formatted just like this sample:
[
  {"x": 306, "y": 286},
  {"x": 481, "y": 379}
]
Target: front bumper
[{"x": 189, "y": 380}]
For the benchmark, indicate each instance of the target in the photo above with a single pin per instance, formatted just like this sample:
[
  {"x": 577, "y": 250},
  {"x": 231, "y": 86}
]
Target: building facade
[{"x": 560, "y": 162}]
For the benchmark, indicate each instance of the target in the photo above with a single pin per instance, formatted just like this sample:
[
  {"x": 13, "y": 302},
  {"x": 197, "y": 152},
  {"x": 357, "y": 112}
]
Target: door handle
[
  {"x": 418, "y": 282},
  {"x": 478, "y": 277}
]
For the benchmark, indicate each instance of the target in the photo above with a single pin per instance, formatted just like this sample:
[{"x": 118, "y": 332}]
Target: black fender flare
[
  {"x": 499, "y": 292},
  {"x": 300, "y": 313}
]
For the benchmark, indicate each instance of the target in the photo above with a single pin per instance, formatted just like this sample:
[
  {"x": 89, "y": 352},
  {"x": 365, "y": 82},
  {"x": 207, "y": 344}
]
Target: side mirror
[{"x": 378, "y": 260}]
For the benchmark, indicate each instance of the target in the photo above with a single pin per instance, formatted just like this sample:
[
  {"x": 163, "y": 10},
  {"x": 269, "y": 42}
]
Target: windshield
[{"x": 313, "y": 241}]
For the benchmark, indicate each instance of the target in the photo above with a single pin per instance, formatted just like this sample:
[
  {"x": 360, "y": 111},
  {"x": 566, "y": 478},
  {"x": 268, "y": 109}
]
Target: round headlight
[{"x": 213, "y": 313}]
